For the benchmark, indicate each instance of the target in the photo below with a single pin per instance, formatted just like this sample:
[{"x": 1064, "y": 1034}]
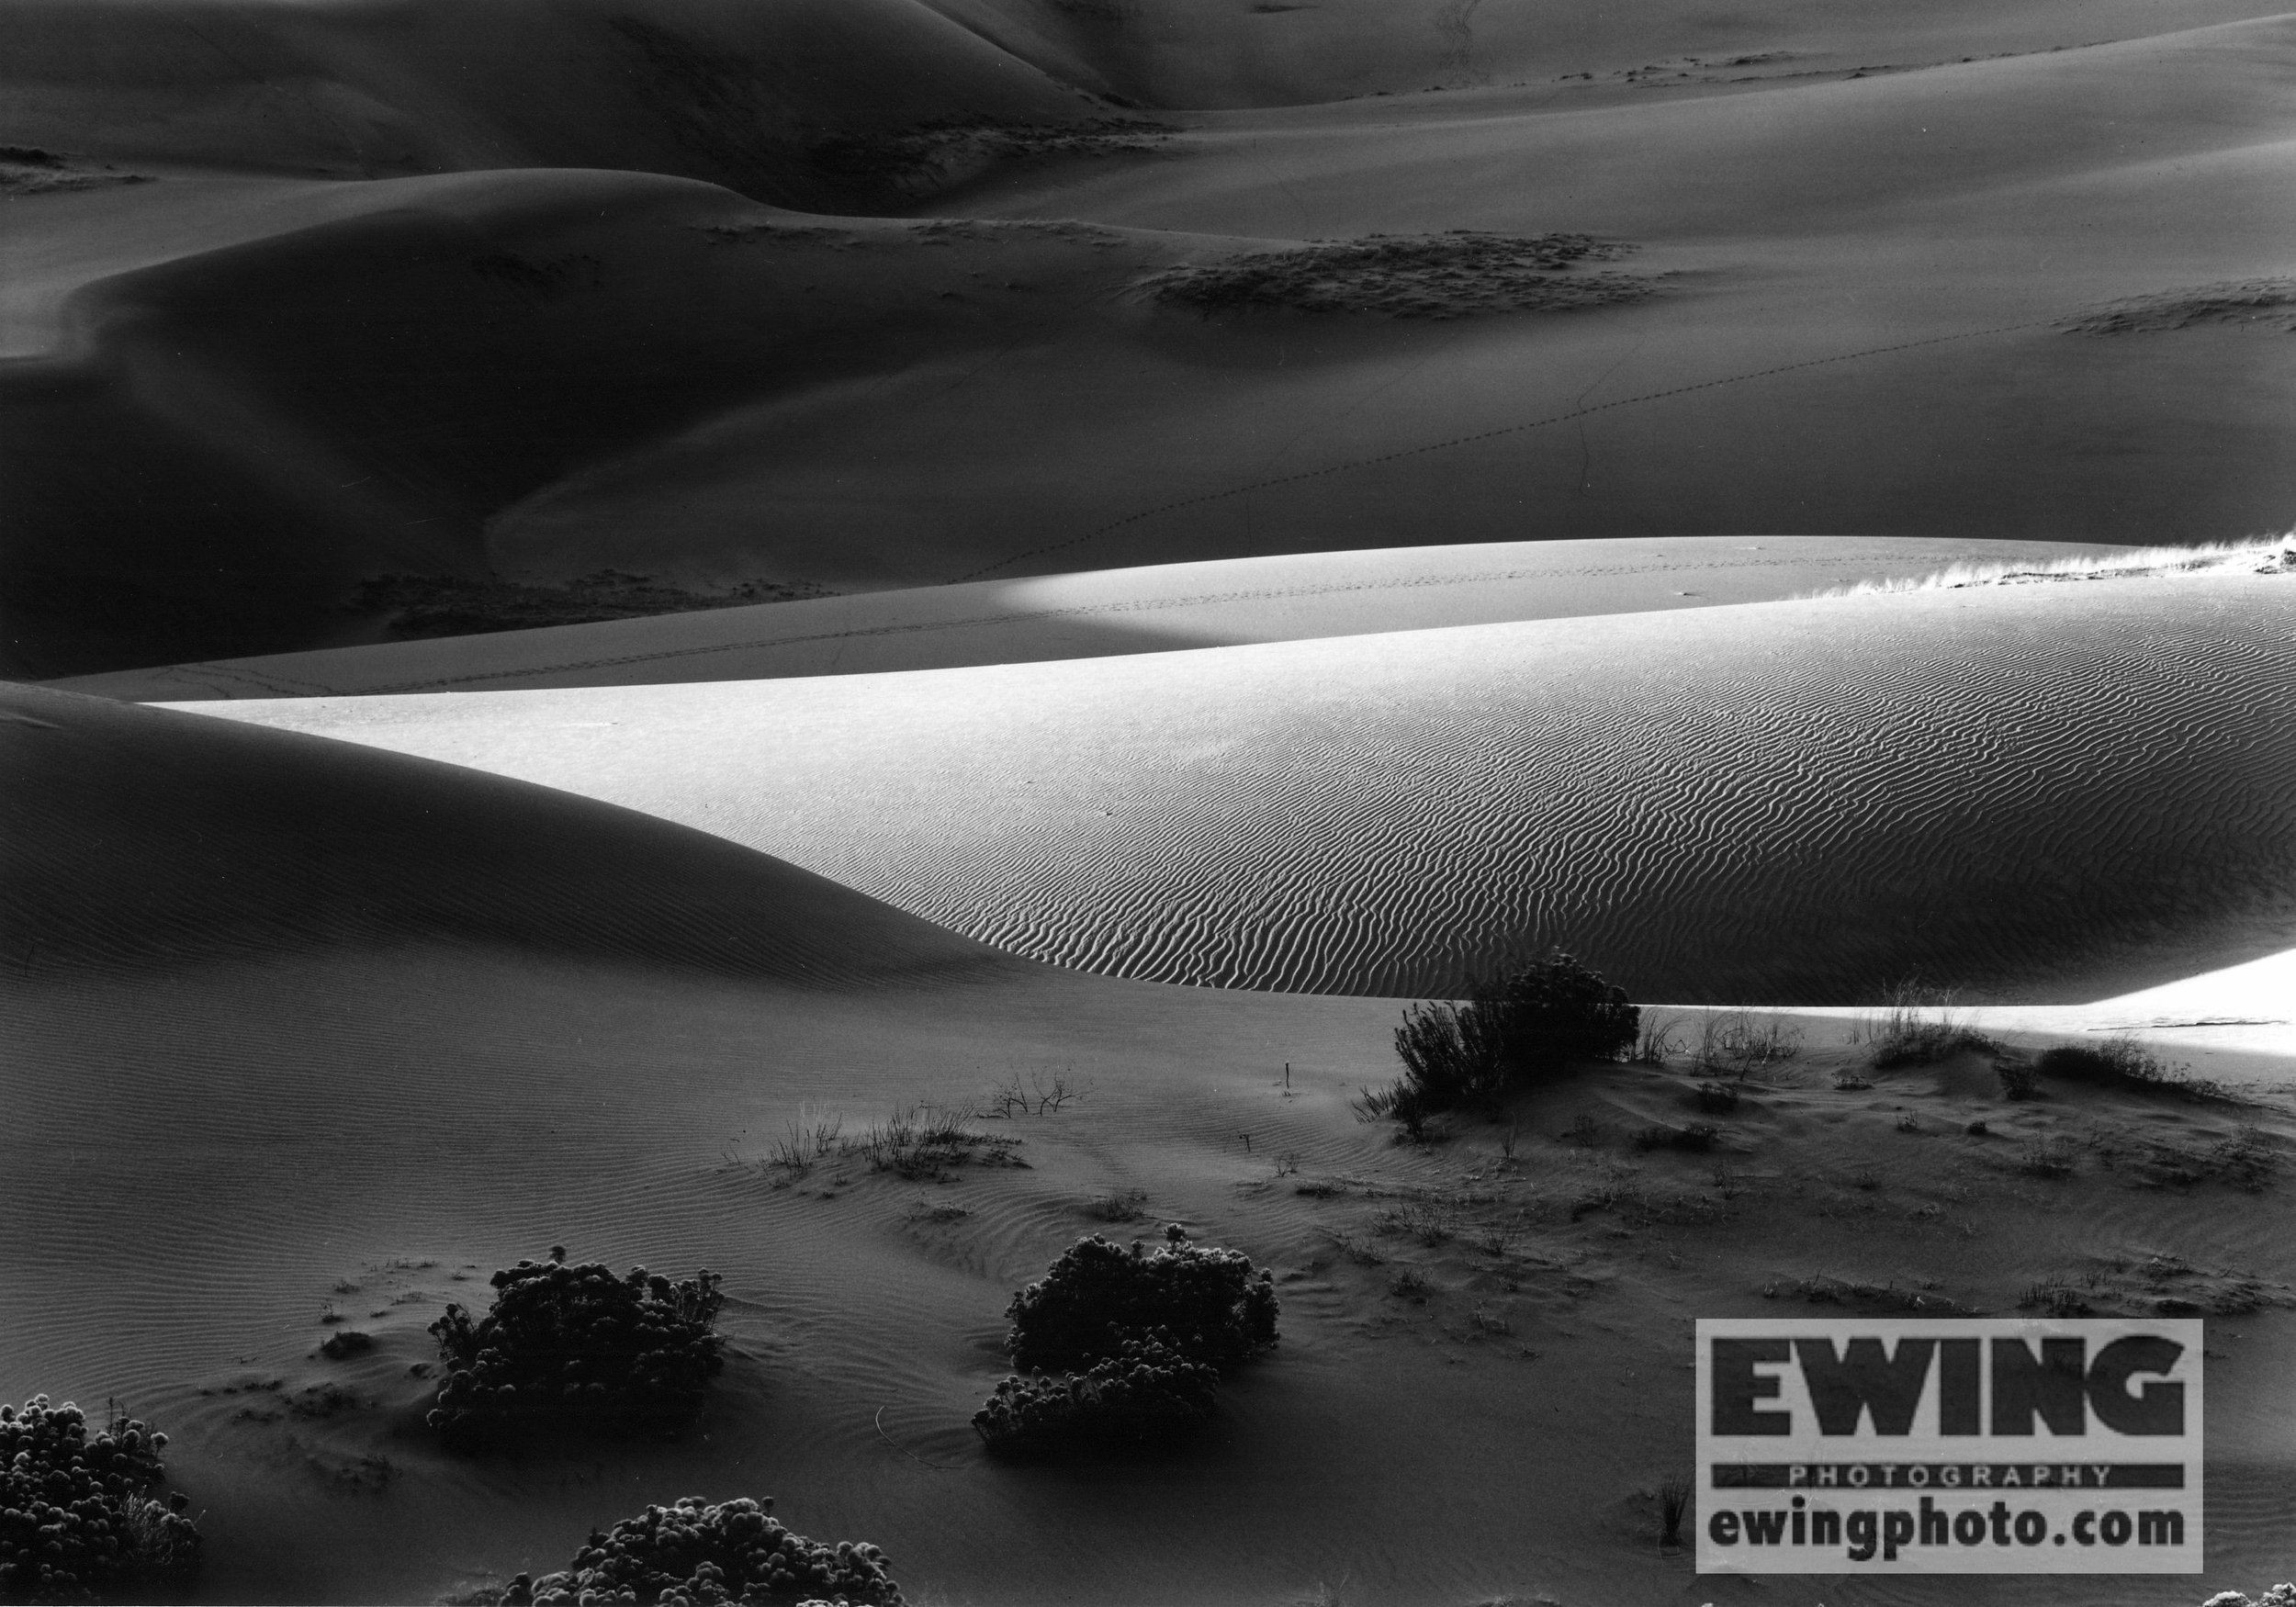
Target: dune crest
[{"x": 2031, "y": 794}]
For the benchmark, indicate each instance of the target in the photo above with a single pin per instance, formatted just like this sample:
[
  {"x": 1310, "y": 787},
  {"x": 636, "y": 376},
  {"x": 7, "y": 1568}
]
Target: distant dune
[
  {"x": 737, "y": 95},
  {"x": 1100, "y": 612},
  {"x": 2034, "y": 793},
  {"x": 403, "y": 323}
]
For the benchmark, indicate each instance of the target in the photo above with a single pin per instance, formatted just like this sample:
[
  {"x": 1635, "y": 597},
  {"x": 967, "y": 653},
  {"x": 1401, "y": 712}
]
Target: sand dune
[
  {"x": 2037, "y": 795},
  {"x": 1200, "y": 53},
  {"x": 731, "y": 94},
  {"x": 427, "y": 352},
  {"x": 512, "y": 1025},
  {"x": 1867, "y": 302},
  {"x": 138, "y": 840},
  {"x": 1094, "y": 614}
]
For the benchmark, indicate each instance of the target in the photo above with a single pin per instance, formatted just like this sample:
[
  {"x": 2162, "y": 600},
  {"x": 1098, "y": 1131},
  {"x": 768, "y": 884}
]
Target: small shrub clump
[
  {"x": 1146, "y": 1392},
  {"x": 1696, "y": 1139},
  {"x": 76, "y": 1525},
  {"x": 690, "y": 1554},
  {"x": 1119, "y": 1339},
  {"x": 578, "y": 1346},
  {"x": 2123, "y": 1062},
  {"x": 1513, "y": 1032}
]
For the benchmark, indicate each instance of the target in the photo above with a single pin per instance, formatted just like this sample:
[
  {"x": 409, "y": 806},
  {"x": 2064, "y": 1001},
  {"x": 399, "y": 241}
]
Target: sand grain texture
[{"x": 2039, "y": 793}]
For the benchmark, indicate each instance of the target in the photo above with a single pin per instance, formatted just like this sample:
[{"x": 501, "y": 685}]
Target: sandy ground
[
  {"x": 1305, "y": 658},
  {"x": 357, "y": 1119}
]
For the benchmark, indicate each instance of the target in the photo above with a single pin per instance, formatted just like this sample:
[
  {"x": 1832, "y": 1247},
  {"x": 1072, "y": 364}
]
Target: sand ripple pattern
[
  {"x": 1792, "y": 803},
  {"x": 2039, "y": 793}
]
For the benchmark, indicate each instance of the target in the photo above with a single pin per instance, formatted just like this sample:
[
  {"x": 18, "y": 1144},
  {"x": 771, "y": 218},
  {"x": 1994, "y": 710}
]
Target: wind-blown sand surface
[
  {"x": 458, "y": 1018},
  {"x": 1244, "y": 578},
  {"x": 1099, "y": 613},
  {"x": 2039, "y": 793},
  {"x": 239, "y": 392}
]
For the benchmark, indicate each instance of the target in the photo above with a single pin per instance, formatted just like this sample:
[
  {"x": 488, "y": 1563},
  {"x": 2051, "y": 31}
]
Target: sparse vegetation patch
[
  {"x": 924, "y": 151},
  {"x": 29, "y": 170},
  {"x": 420, "y": 606},
  {"x": 1451, "y": 275},
  {"x": 2268, "y": 304}
]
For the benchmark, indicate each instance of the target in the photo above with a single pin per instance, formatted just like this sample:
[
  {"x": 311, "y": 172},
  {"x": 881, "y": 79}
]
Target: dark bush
[
  {"x": 2123, "y": 1062},
  {"x": 1513, "y": 1032},
  {"x": 1146, "y": 1392},
  {"x": 1126, "y": 1345},
  {"x": 2018, "y": 1081},
  {"x": 1698, "y": 1138},
  {"x": 76, "y": 1525},
  {"x": 1097, "y": 1298},
  {"x": 1717, "y": 1099},
  {"x": 579, "y": 1347},
  {"x": 690, "y": 1554}
]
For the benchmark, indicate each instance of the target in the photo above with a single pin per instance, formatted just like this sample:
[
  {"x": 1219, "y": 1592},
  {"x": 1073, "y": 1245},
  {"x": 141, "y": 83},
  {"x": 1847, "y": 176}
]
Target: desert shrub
[
  {"x": 2018, "y": 1081},
  {"x": 690, "y": 1554},
  {"x": 1698, "y": 1138},
  {"x": 1147, "y": 1391},
  {"x": 2280, "y": 1595},
  {"x": 2123, "y": 1062},
  {"x": 1717, "y": 1099},
  {"x": 578, "y": 1346},
  {"x": 1126, "y": 1344},
  {"x": 1096, "y": 1296},
  {"x": 1513, "y": 1031},
  {"x": 76, "y": 1525}
]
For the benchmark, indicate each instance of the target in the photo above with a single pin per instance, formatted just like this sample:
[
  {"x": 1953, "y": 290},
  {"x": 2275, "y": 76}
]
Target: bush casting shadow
[
  {"x": 76, "y": 1525},
  {"x": 1126, "y": 1345},
  {"x": 690, "y": 1554},
  {"x": 1515, "y": 1031},
  {"x": 575, "y": 1347}
]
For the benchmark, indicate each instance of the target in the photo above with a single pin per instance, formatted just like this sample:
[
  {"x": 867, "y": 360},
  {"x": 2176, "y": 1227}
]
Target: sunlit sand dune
[
  {"x": 1101, "y": 612},
  {"x": 2039, "y": 793}
]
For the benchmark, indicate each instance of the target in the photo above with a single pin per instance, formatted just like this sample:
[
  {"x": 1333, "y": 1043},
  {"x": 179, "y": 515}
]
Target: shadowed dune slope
[
  {"x": 1858, "y": 326},
  {"x": 136, "y": 838},
  {"x": 252, "y": 428},
  {"x": 2035, "y": 795},
  {"x": 1100, "y": 612},
  {"x": 1218, "y": 53},
  {"x": 736, "y": 94}
]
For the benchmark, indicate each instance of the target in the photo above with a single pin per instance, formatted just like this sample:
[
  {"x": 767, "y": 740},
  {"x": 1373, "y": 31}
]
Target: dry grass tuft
[{"x": 2262, "y": 555}]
